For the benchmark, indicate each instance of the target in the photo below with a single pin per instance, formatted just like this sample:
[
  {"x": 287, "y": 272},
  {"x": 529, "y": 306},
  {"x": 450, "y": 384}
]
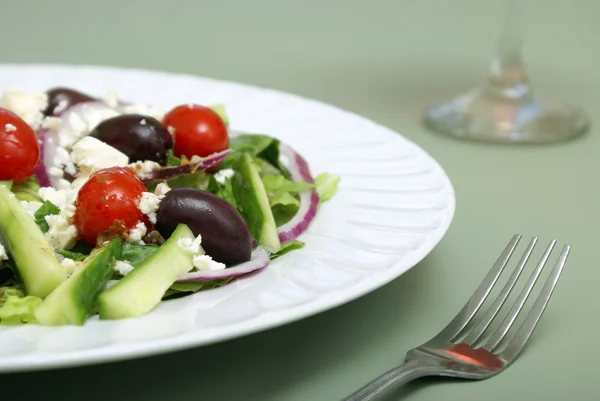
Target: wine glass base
[{"x": 478, "y": 116}]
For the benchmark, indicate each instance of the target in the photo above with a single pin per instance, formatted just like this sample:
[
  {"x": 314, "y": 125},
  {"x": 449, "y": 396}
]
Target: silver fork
[{"x": 468, "y": 348}]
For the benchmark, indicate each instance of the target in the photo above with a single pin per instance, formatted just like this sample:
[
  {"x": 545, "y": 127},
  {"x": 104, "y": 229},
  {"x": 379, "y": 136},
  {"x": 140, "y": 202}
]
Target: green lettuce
[
  {"x": 287, "y": 247},
  {"x": 47, "y": 209},
  {"x": 326, "y": 185},
  {"x": 27, "y": 190},
  {"x": 136, "y": 254},
  {"x": 18, "y": 310}
]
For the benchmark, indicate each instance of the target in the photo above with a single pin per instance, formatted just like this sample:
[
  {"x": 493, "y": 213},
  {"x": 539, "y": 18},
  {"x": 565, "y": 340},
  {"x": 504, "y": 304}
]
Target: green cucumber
[
  {"x": 34, "y": 258},
  {"x": 75, "y": 299},
  {"x": 253, "y": 203},
  {"x": 141, "y": 290}
]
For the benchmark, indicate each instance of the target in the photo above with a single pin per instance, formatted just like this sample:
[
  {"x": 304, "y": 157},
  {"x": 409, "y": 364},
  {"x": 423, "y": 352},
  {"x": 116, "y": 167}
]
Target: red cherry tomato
[
  {"x": 19, "y": 148},
  {"x": 108, "y": 203},
  {"x": 198, "y": 130}
]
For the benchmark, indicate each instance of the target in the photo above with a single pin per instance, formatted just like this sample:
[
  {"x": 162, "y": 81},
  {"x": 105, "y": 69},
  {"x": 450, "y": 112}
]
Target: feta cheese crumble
[
  {"x": 59, "y": 197},
  {"x": 10, "y": 128},
  {"x": 27, "y": 105},
  {"x": 111, "y": 99},
  {"x": 123, "y": 267},
  {"x": 143, "y": 168},
  {"x": 161, "y": 190},
  {"x": 69, "y": 265},
  {"x": 145, "y": 110},
  {"x": 61, "y": 106},
  {"x": 223, "y": 175},
  {"x": 97, "y": 155},
  {"x": 189, "y": 245},
  {"x": 137, "y": 233},
  {"x": 62, "y": 234},
  {"x": 205, "y": 263},
  {"x": 31, "y": 207},
  {"x": 148, "y": 204},
  {"x": 3, "y": 254}
]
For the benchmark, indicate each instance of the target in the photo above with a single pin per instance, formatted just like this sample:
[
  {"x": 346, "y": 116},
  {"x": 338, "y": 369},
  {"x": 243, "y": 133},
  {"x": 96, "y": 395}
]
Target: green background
[{"x": 386, "y": 60}]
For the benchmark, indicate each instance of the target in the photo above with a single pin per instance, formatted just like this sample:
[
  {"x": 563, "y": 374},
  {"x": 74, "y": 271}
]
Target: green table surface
[{"x": 386, "y": 60}]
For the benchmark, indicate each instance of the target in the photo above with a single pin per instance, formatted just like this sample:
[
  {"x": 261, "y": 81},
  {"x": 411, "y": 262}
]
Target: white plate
[{"x": 393, "y": 206}]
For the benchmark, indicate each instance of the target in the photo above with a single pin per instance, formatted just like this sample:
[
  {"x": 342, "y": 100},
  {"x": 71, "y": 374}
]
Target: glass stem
[{"x": 508, "y": 74}]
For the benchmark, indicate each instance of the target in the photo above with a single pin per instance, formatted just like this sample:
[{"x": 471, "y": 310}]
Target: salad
[{"x": 108, "y": 208}]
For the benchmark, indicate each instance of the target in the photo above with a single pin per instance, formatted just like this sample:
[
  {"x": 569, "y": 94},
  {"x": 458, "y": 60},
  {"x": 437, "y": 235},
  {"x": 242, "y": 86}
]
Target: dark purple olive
[
  {"x": 225, "y": 236},
  {"x": 138, "y": 136},
  {"x": 68, "y": 97}
]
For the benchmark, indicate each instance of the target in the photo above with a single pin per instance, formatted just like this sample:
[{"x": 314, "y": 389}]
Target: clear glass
[{"x": 505, "y": 108}]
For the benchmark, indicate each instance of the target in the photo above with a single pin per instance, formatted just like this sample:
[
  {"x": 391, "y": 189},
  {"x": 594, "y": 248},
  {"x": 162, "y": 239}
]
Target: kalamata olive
[
  {"x": 225, "y": 236},
  {"x": 138, "y": 136},
  {"x": 65, "y": 96}
]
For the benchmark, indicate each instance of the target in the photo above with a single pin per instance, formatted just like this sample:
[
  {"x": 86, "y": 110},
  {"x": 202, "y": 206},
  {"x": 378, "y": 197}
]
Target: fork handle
[{"x": 391, "y": 380}]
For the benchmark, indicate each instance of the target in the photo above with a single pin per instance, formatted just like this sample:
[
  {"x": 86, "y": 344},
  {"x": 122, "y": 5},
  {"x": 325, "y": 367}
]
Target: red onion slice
[
  {"x": 309, "y": 200},
  {"x": 170, "y": 172},
  {"x": 41, "y": 172},
  {"x": 259, "y": 260}
]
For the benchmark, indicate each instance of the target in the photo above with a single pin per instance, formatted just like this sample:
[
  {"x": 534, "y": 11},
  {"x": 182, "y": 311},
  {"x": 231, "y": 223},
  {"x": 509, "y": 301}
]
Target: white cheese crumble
[
  {"x": 189, "y": 245},
  {"x": 123, "y": 267},
  {"x": 143, "y": 168},
  {"x": 205, "y": 262},
  {"x": 143, "y": 122},
  {"x": 59, "y": 197},
  {"x": 137, "y": 233},
  {"x": 10, "y": 128},
  {"x": 69, "y": 265},
  {"x": 111, "y": 99},
  {"x": 27, "y": 105},
  {"x": 95, "y": 154},
  {"x": 52, "y": 123},
  {"x": 145, "y": 110},
  {"x": 223, "y": 175},
  {"x": 161, "y": 190},
  {"x": 31, "y": 207},
  {"x": 77, "y": 125},
  {"x": 62, "y": 233},
  {"x": 61, "y": 106},
  {"x": 3, "y": 254},
  {"x": 148, "y": 204}
]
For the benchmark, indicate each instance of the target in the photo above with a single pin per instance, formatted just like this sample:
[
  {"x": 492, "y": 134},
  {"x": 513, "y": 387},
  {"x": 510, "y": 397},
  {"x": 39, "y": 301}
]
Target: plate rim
[{"x": 187, "y": 340}]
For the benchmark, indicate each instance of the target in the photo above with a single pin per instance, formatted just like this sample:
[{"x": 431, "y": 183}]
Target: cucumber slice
[
  {"x": 141, "y": 290},
  {"x": 253, "y": 203},
  {"x": 33, "y": 256},
  {"x": 74, "y": 300}
]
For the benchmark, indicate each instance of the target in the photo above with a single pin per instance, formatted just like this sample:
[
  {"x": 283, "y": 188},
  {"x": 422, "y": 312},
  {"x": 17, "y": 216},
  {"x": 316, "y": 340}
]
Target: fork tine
[
  {"x": 454, "y": 328},
  {"x": 484, "y": 323},
  {"x": 494, "y": 339},
  {"x": 516, "y": 344}
]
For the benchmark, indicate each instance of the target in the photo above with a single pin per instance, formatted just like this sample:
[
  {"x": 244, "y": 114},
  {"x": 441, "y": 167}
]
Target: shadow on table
[{"x": 278, "y": 364}]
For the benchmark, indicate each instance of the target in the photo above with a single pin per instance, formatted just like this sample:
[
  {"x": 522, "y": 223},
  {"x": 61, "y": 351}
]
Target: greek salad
[{"x": 108, "y": 208}]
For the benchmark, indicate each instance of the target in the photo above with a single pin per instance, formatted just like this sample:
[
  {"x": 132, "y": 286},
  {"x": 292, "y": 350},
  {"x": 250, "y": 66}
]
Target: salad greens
[
  {"x": 47, "y": 209},
  {"x": 16, "y": 308},
  {"x": 254, "y": 179}
]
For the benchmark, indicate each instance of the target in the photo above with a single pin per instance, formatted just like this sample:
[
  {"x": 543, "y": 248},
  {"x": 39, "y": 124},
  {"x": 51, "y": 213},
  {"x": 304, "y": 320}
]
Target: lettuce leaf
[
  {"x": 287, "y": 247},
  {"x": 326, "y": 185},
  {"x": 47, "y": 209},
  {"x": 27, "y": 190},
  {"x": 18, "y": 310},
  {"x": 136, "y": 254},
  {"x": 222, "y": 190},
  {"x": 6, "y": 292}
]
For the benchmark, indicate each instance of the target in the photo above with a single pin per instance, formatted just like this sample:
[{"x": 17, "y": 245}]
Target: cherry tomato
[
  {"x": 198, "y": 130},
  {"x": 19, "y": 148},
  {"x": 108, "y": 203}
]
